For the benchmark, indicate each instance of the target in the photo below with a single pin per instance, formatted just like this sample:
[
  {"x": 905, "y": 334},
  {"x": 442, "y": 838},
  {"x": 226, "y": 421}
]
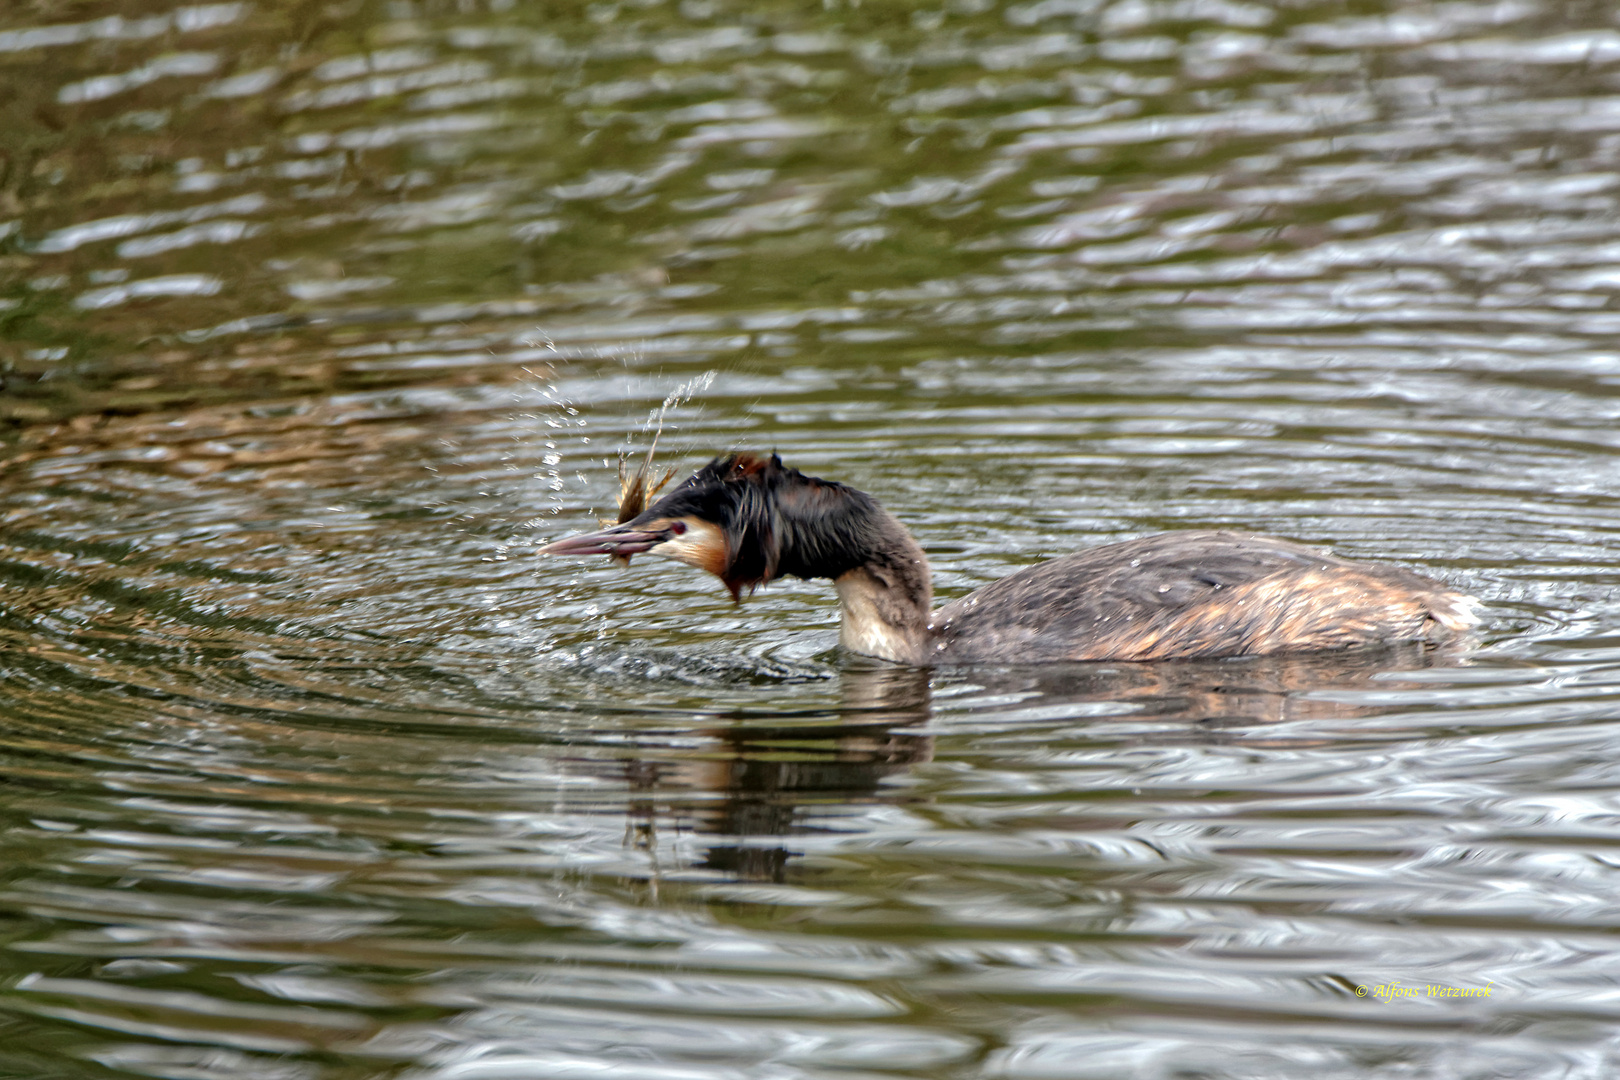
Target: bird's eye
[{"x": 676, "y": 528}]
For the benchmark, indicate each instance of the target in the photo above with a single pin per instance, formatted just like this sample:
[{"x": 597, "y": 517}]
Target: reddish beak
[{"x": 619, "y": 540}]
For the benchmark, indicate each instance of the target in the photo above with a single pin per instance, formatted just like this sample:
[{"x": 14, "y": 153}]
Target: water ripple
[{"x": 318, "y": 323}]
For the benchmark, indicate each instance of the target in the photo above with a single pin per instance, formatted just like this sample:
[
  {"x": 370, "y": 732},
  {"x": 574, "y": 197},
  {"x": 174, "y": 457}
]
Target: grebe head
[
  {"x": 690, "y": 524},
  {"x": 746, "y": 520}
]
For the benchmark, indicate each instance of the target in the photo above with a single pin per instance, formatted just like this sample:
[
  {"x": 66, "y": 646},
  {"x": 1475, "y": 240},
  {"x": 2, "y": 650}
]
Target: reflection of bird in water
[
  {"x": 755, "y": 784},
  {"x": 758, "y": 786},
  {"x": 1183, "y": 595},
  {"x": 1225, "y": 700}
]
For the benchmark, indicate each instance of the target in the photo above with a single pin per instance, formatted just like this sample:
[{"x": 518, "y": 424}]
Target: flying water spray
[{"x": 636, "y": 492}]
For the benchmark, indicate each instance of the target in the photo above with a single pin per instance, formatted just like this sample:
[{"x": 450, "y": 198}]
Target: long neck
[
  {"x": 886, "y": 600},
  {"x": 780, "y": 523}
]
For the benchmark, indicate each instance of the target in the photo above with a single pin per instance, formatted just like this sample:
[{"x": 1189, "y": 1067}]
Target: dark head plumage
[
  {"x": 775, "y": 521},
  {"x": 749, "y": 519}
]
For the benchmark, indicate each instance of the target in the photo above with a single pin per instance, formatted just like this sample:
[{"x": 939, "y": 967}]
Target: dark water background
[{"x": 317, "y": 317}]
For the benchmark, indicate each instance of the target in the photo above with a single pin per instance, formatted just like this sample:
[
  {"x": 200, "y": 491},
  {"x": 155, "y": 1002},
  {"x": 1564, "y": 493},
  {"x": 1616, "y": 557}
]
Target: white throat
[{"x": 863, "y": 629}]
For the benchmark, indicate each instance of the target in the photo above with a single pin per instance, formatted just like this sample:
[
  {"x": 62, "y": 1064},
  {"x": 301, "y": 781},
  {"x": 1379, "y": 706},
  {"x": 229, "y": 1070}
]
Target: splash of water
[{"x": 637, "y": 492}]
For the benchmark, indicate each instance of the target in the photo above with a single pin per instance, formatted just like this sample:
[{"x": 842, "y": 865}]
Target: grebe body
[{"x": 1183, "y": 595}]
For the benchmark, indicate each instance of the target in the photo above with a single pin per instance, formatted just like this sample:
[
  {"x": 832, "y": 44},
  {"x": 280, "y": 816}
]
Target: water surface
[{"x": 316, "y": 320}]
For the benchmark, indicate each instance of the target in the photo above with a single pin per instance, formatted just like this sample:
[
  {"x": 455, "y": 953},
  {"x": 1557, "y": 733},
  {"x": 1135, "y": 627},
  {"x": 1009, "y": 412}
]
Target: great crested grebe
[{"x": 1183, "y": 595}]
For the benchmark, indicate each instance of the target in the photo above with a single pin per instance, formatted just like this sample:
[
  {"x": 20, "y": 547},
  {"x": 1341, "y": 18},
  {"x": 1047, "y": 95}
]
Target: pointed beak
[{"x": 621, "y": 540}]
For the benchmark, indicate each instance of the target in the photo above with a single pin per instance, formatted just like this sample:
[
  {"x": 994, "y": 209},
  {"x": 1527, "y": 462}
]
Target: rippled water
[{"x": 315, "y": 320}]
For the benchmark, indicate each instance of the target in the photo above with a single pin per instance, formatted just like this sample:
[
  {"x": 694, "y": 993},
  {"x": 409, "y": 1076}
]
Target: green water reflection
[{"x": 317, "y": 318}]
